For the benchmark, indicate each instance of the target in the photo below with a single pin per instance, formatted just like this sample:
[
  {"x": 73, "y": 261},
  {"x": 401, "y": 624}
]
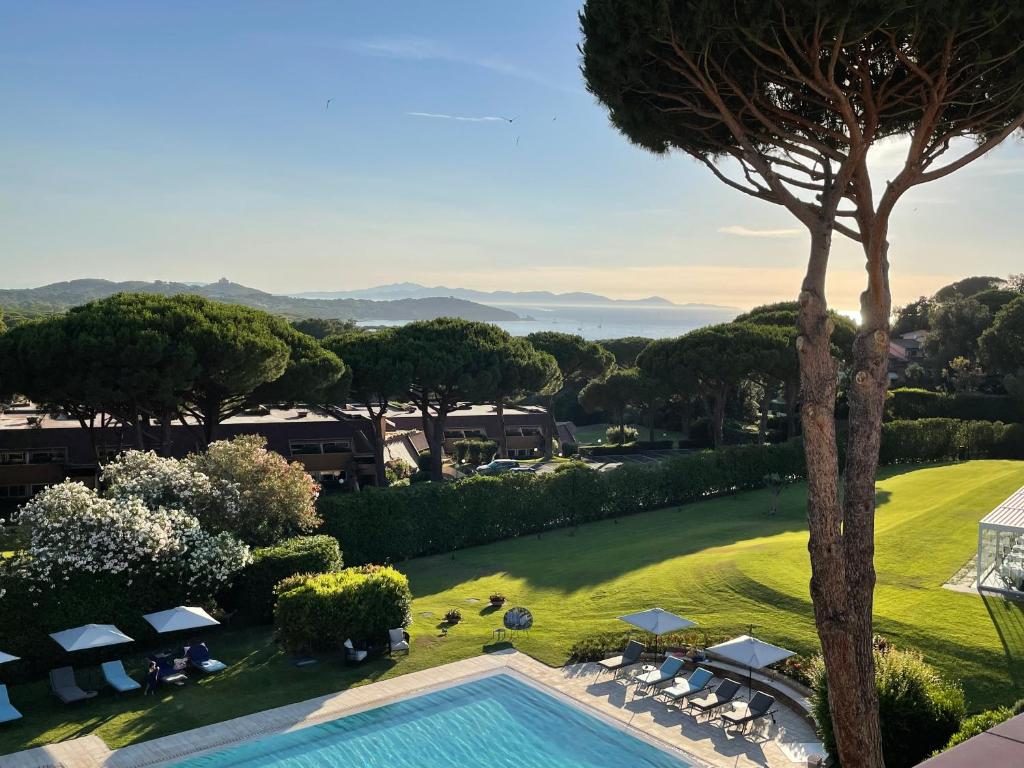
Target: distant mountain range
[
  {"x": 58, "y": 297},
  {"x": 397, "y": 291}
]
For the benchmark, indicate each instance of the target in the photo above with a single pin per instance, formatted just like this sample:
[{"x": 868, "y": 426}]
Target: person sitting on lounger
[{"x": 152, "y": 678}]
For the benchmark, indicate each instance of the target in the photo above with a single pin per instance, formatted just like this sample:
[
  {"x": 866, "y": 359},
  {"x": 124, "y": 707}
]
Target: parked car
[
  {"x": 497, "y": 466},
  {"x": 530, "y": 468}
]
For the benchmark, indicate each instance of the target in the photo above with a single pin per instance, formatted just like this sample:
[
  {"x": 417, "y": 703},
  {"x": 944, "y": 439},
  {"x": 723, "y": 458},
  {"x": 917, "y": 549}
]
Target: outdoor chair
[
  {"x": 199, "y": 657},
  {"x": 7, "y": 712},
  {"x": 758, "y": 707},
  {"x": 669, "y": 668},
  {"x": 117, "y": 678},
  {"x": 166, "y": 670},
  {"x": 352, "y": 654},
  {"x": 698, "y": 681},
  {"x": 726, "y": 692},
  {"x": 629, "y": 656},
  {"x": 65, "y": 687},
  {"x": 398, "y": 640}
]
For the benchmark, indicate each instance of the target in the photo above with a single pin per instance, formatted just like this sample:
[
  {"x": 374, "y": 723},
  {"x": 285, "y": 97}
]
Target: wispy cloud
[
  {"x": 416, "y": 48},
  {"x": 740, "y": 231},
  {"x": 462, "y": 118}
]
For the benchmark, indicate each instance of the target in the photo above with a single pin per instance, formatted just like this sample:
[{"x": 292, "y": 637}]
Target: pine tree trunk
[
  {"x": 437, "y": 448},
  {"x": 548, "y": 424},
  {"x": 717, "y": 414},
  {"x": 502, "y": 437},
  {"x": 762, "y": 428},
  {"x": 379, "y": 436},
  {"x": 792, "y": 395},
  {"x": 841, "y": 546}
]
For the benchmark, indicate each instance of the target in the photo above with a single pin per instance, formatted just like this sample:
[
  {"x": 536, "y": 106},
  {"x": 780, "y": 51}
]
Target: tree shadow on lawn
[
  {"x": 569, "y": 559},
  {"x": 1008, "y": 619}
]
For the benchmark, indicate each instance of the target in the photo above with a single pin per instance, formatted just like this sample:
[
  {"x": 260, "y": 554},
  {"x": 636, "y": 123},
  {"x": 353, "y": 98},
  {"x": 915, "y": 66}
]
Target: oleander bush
[
  {"x": 919, "y": 710},
  {"x": 93, "y": 559},
  {"x": 320, "y": 612},
  {"x": 235, "y": 486},
  {"x": 252, "y": 592},
  {"x": 275, "y": 498}
]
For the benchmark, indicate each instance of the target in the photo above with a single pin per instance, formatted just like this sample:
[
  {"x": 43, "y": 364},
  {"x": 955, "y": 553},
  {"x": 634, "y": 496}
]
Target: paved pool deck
[{"x": 784, "y": 744}]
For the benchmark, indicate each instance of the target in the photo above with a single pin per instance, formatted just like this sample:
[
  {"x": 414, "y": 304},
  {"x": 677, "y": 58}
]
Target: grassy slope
[{"x": 721, "y": 562}]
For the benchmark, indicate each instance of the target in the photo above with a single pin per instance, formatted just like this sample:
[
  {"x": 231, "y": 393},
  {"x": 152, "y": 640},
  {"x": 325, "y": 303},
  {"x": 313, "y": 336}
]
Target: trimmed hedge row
[
  {"x": 253, "y": 591},
  {"x": 323, "y": 611},
  {"x": 906, "y": 442},
  {"x": 635, "y": 447},
  {"x": 911, "y": 403},
  {"x": 393, "y": 524}
]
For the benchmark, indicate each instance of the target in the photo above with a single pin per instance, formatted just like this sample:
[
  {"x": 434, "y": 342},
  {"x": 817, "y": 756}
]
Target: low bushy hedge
[
  {"x": 918, "y": 709},
  {"x": 977, "y": 724},
  {"x": 253, "y": 591},
  {"x": 323, "y": 611},
  {"x": 393, "y": 524},
  {"x": 656, "y": 445},
  {"x": 912, "y": 403},
  {"x": 622, "y": 436}
]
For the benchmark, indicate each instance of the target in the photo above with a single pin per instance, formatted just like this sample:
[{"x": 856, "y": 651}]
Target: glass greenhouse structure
[{"x": 1001, "y": 548}]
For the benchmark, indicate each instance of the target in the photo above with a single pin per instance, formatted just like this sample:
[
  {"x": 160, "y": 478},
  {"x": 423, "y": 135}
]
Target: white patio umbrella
[
  {"x": 751, "y": 653},
  {"x": 180, "y": 618},
  {"x": 6, "y": 657},
  {"x": 658, "y": 622},
  {"x": 90, "y": 636}
]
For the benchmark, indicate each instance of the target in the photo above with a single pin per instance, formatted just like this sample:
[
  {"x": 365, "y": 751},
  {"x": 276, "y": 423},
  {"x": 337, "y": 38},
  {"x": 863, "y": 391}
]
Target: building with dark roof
[{"x": 38, "y": 449}]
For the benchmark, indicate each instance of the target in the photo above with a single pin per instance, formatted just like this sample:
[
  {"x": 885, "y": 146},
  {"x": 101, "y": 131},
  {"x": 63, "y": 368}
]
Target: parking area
[{"x": 612, "y": 461}]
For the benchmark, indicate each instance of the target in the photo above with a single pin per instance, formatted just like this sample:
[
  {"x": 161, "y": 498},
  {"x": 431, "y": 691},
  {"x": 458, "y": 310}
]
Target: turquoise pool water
[{"x": 497, "y": 722}]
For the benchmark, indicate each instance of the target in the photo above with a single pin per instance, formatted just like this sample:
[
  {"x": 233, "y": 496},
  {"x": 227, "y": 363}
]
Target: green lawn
[{"x": 722, "y": 562}]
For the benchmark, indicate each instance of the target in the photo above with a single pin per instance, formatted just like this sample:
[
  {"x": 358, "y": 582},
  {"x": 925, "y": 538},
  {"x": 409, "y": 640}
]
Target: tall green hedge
[
  {"x": 321, "y": 612},
  {"x": 392, "y": 524},
  {"x": 252, "y": 593},
  {"x": 914, "y": 441},
  {"x": 911, "y": 403}
]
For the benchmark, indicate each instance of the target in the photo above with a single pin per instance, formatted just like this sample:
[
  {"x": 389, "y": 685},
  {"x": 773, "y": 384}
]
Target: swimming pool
[{"x": 496, "y": 721}]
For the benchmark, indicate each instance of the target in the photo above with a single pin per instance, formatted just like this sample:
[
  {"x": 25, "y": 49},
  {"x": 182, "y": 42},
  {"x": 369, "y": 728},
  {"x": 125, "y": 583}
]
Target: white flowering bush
[
  {"x": 75, "y": 531},
  {"x": 236, "y": 485},
  {"x": 164, "y": 482},
  {"x": 256, "y": 494}
]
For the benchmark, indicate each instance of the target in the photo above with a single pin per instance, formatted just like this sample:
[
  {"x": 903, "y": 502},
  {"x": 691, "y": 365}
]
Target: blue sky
[{"x": 190, "y": 141}]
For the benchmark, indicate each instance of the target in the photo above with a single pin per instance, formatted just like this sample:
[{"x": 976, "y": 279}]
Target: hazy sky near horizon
[{"x": 191, "y": 141}]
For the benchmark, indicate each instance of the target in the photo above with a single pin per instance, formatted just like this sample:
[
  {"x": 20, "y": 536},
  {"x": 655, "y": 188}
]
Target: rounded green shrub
[
  {"x": 977, "y": 724},
  {"x": 628, "y": 435},
  {"x": 320, "y": 612},
  {"x": 919, "y": 710},
  {"x": 252, "y": 593}
]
